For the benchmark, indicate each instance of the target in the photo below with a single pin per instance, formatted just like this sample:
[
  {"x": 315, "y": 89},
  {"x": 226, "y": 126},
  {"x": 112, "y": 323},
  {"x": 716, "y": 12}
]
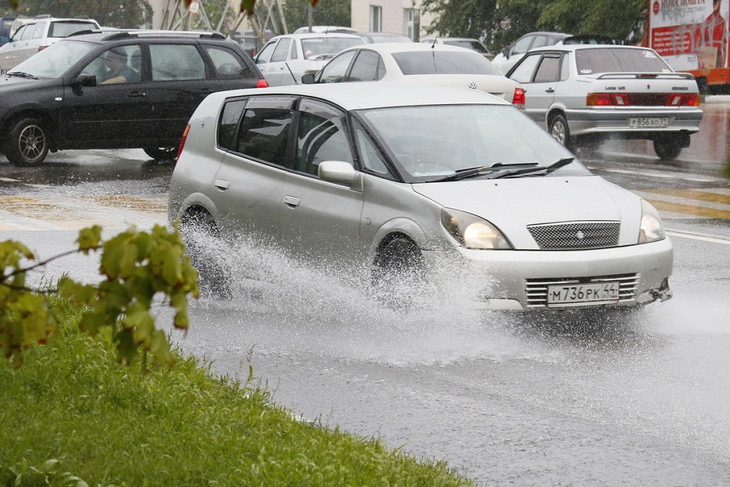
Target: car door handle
[
  {"x": 136, "y": 94},
  {"x": 291, "y": 201},
  {"x": 550, "y": 90},
  {"x": 222, "y": 184}
]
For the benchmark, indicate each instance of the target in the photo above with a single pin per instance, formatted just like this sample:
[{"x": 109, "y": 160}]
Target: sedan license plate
[
  {"x": 579, "y": 294},
  {"x": 640, "y": 123}
]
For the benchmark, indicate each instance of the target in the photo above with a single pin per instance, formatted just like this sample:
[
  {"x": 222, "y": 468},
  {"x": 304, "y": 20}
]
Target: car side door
[
  {"x": 319, "y": 218},
  {"x": 539, "y": 74},
  {"x": 179, "y": 80},
  {"x": 105, "y": 114},
  {"x": 275, "y": 68}
]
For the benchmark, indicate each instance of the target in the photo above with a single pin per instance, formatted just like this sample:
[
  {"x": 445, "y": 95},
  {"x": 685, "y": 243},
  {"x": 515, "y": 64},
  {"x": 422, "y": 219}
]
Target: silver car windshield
[
  {"x": 55, "y": 60},
  {"x": 443, "y": 62},
  {"x": 431, "y": 142},
  {"x": 619, "y": 60}
]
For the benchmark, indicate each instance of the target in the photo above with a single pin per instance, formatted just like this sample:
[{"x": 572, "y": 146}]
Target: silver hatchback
[{"x": 379, "y": 179}]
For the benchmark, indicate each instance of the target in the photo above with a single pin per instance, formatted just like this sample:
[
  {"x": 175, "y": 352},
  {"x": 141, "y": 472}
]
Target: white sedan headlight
[
  {"x": 651, "y": 224},
  {"x": 473, "y": 232}
]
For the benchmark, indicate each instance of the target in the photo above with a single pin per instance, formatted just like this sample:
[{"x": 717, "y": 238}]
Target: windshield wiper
[
  {"x": 545, "y": 170},
  {"x": 21, "y": 74},
  {"x": 471, "y": 172}
]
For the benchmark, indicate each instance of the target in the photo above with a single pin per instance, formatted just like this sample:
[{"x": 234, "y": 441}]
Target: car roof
[
  {"x": 307, "y": 35},
  {"x": 375, "y": 94},
  {"x": 580, "y": 47},
  {"x": 395, "y": 47},
  {"x": 107, "y": 34}
]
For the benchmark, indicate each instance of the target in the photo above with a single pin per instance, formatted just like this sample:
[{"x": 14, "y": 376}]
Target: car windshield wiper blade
[
  {"x": 471, "y": 172},
  {"x": 545, "y": 170},
  {"x": 21, "y": 74}
]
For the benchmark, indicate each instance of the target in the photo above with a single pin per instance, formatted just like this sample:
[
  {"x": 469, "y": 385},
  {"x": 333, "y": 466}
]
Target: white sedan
[{"x": 433, "y": 64}]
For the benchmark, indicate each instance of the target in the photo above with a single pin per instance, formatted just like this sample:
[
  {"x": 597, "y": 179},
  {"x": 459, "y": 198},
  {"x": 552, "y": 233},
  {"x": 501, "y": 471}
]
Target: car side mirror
[
  {"x": 339, "y": 172},
  {"x": 308, "y": 78},
  {"x": 84, "y": 79}
]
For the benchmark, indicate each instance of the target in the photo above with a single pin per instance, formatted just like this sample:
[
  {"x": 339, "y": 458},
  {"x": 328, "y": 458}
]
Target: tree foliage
[
  {"x": 328, "y": 12},
  {"x": 499, "y": 22},
  {"x": 135, "y": 266},
  {"x": 109, "y": 13}
]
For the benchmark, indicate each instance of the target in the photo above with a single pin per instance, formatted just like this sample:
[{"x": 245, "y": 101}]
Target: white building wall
[{"x": 393, "y": 10}]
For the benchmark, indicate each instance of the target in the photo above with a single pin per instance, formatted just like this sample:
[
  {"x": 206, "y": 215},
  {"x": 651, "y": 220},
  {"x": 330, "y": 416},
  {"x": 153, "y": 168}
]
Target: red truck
[{"x": 691, "y": 35}]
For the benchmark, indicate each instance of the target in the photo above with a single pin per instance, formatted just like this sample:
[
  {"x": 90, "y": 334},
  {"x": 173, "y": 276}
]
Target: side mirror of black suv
[{"x": 84, "y": 79}]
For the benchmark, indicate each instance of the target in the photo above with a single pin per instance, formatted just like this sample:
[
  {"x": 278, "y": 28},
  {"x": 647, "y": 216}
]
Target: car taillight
[
  {"x": 262, "y": 83},
  {"x": 643, "y": 99},
  {"x": 182, "y": 141},
  {"x": 518, "y": 98}
]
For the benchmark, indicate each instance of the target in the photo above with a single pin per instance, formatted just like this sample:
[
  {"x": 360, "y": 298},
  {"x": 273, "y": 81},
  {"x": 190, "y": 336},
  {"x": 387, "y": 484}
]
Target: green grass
[{"x": 72, "y": 412}]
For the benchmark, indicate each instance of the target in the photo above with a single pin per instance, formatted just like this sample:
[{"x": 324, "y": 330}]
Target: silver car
[
  {"x": 376, "y": 179},
  {"x": 584, "y": 93}
]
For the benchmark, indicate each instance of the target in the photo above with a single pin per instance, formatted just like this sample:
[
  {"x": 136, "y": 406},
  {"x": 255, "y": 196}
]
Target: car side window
[
  {"x": 522, "y": 45},
  {"x": 293, "y": 54},
  {"x": 265, "y": 130},
  {"x": 523, "y": 72},
  {"x": 39, "y": 30},
  {"x": 541, "y": 41},
  {"x": 120, "y": 64},
  {"x": 548, "y": 70},
  {"x": 335, "y": 70},
  {"x": 174, "y": 62},
  {"x": 370, "y": 156},
  {"x": 27, "y": 33},
  {"x": 367, "y": 67},
  {"x": 264, "y": 56},
  {"x": 227, "y": 64},
  {"x": 281, "y": 53},
  {"x": 228, "y": 123},
  {"x": 320, "y": 137}
]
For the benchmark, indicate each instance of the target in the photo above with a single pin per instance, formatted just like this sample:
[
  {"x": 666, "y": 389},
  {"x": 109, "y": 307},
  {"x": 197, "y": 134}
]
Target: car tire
[
  {"x": 397, "y": 271},
  {"x": 201, "y": 235},
  {"x": 161, "y": 153},
  {"x": 27, "y": 143},
  {"x": 667, "y": 148},
  {"x": 560, "y": 131}
]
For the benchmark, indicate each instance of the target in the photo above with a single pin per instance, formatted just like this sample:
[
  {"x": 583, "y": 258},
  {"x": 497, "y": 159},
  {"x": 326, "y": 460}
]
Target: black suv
[{"x": 116, "y": 89}]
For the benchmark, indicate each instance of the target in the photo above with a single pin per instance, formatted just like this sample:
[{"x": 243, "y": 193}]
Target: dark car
[{"x": 120, "y": 89}]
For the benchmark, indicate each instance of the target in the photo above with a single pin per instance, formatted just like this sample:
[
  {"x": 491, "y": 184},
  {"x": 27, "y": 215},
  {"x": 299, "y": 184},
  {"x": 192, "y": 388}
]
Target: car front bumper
[{"x": 519, "y": 280}]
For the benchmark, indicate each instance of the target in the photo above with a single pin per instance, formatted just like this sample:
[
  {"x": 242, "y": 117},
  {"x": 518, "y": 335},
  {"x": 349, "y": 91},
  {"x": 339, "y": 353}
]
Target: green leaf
[{"x": 89, "y": 238}]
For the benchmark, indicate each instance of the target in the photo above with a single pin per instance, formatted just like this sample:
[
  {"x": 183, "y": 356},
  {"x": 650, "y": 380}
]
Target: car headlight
[
  {"x": 651, "y": 224},
  {"x": 473, "y": 232}
]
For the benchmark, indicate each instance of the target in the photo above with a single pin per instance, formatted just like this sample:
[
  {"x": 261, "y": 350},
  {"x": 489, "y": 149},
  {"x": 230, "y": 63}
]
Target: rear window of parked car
[
  {"x": 608, "y": 60},
  {"x": 443, "y": 62}
]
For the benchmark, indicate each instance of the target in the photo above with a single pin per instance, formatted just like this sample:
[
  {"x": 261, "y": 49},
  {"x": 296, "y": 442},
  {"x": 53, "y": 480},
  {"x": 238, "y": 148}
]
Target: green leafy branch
[{"x": 135, "y": 267}]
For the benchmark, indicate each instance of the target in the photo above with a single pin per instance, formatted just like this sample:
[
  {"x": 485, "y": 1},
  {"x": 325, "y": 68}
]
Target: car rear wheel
[
  {"x": 667, "y": 148},
  {"x": 27, "y": 143},
  {"x": 161, "y": 153},
  {"x": 201, "y": 237},
  {"x": 560, "y": 131}
]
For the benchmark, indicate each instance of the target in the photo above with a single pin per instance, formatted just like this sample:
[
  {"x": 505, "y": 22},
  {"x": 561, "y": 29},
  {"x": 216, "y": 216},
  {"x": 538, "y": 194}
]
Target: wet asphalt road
[{"x": 642, "y": 399}]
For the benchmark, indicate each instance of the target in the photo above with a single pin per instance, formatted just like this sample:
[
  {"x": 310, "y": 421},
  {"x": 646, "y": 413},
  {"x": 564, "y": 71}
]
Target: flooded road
[{"x": 572, "y": 400}]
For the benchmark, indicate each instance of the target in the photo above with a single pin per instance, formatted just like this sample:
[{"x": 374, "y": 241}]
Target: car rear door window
[
  {"x": 227, "y": 65},
  {"x": 367, "y": 67},
  {"x": 174, "y": 62},
  {"x": 228, "y": 123},
  {"x": 548, "y": 70},
  {"x": 334, "y": 71},
  {"x": 265, "y": 131}
]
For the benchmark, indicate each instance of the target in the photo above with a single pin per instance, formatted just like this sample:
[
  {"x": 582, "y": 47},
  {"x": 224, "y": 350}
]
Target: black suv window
[
  {"x": 119, "y": 64},
  {"x": 227, "y": 65},
  {"x": 171, "y": 62}
]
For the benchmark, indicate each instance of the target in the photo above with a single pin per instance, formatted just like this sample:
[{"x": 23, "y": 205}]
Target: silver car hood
[{"x": 512, "y": 204}]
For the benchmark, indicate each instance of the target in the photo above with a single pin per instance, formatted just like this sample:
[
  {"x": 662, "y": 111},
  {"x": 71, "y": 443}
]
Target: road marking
[
  {"x": 699, "y": 236},
  {"x": 695, "y": 178}
]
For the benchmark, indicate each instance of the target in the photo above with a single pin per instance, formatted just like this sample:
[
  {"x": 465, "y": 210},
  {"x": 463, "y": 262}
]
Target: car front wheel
[
  {"x": 667, "y": 148},
  {"x": 27, "y": 143},
  {"x": 202, "y": 244},
  {"x": 560, "y": 131},
  {"x": 161, "y": 153},
  {"x": 397, "y": 273}
]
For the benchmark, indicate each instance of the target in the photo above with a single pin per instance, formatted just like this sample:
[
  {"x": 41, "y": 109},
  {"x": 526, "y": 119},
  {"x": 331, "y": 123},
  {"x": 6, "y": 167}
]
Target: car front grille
[
  {"x": 536, "y": 290},
  {"x": 575, "y": 235}
]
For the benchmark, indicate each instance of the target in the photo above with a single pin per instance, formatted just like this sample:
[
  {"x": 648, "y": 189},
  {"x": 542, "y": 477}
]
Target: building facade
[{"x": 398, "y": 16}]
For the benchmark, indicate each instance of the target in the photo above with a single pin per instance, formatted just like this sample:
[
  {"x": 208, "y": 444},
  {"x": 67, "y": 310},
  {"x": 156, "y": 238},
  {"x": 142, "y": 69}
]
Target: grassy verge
[{"x": 71, "y": 414}]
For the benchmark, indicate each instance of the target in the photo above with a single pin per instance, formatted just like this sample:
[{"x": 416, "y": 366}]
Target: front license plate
[
  {"x": 577, "y": 294},
  {"x": 640, "y": 123}
]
